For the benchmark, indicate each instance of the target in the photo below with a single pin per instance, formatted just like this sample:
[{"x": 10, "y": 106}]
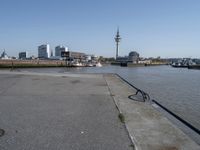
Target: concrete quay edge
[{"x": 148, "y": 128}]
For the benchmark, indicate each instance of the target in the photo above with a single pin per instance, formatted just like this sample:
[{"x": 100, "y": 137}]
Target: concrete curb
[
  {"x": 148, "y": 129},
  {"x": 131, "y": 137}
]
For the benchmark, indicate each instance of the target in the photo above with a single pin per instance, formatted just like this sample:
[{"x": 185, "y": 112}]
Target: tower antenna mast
[{"x": 117, "y": 40}]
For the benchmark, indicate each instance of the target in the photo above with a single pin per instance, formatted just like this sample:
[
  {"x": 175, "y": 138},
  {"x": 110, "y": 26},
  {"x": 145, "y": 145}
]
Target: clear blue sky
[{"x": 166, "y": 28}]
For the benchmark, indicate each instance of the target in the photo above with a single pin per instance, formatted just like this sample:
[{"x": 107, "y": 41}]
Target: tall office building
[
  {"x": 59, "y": 49},
  {"x": 44, "y": 51},
  {"x": 23, "y": 55}
]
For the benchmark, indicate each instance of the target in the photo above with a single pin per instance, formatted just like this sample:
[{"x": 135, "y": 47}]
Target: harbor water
[{"x": 178, "y": 89}]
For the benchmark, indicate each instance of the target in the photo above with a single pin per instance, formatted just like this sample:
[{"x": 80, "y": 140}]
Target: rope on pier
[{"x": 145, "y": 96}]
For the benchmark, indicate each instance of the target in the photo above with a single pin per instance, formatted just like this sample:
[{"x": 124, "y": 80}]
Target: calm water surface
[{"x": 178, "y": 89}]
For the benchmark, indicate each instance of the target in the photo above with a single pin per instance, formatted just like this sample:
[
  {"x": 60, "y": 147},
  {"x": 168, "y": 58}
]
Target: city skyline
[{"x": 166, "y": 29}]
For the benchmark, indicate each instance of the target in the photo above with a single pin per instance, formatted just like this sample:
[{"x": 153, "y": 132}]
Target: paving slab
[
  {"x": 59, "y": 112},
  {"x": 148, "y": 129}
]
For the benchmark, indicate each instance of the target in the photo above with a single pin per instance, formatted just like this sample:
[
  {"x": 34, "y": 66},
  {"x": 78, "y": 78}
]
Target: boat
[
  {"x": 98, "y": 64},
  {"x": 77, "y": 64},
  {"x": 183, "y": 63},
  {"x": 179, "y": 65},
  {"x": 89, "y": 65},
  {"x": 197, "y": 66}
]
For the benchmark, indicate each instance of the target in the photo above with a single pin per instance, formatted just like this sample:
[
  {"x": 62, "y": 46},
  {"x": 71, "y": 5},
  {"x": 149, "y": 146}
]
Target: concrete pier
[
  {"x": 149, "y": 130},
  {"x": 41, "y": 111}
]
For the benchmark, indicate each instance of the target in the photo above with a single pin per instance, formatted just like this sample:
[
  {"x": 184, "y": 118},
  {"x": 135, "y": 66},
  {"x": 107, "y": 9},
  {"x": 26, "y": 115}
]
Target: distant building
[
  {"x": 88, "y": 58},
  {"x": 23, "y": 55},
  {"x": 51, "y": 53},
  {"x": 4, "y": 55},
  {"x": 56, "y": 58},
  {"x": 73, "y": 55},
  {"x": 44, "y": 51},
  {"x": 145, "y": 61},
  {"x": 59, "y": 49},
  {"x": 133, "y": 57},
  {"x": 122, "y": 59},
  {"x": 32, "y": 57}
]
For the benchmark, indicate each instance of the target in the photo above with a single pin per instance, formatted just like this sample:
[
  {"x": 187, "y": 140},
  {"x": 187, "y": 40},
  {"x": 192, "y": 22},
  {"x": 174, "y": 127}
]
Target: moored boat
[
  {"x": 77, "y": 64},
  {"x": 194, "y": 66},
  {"x": 98, "y": 64},
  {"x": 179, "y": 65}
]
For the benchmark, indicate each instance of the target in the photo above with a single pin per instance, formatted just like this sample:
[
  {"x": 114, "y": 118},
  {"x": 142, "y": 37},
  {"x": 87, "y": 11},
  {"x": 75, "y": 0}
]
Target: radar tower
[{"x": 117, "y": 40}]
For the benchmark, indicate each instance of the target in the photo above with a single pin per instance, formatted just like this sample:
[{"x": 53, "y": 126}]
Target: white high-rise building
[
  {"x": 44, "y": 51},
  {"x": 59, "y": 49}
]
